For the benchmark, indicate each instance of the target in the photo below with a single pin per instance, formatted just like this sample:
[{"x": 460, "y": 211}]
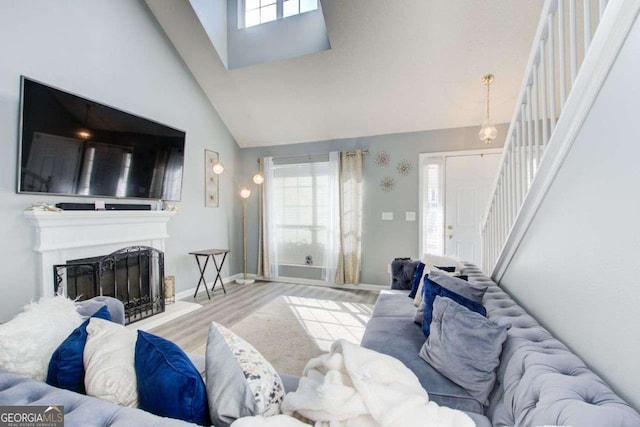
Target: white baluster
[
  {"x": 602, "y": 4},
  {"x": 587, "y": 25},
  {"x": 543, "y": 98},
  {"x": 523, "y": 152},
  {"x": 573, "y": 48},
  {"x": 518, "y": 163},
  {"x": 562, "y": 60},
  {"x": 512, "y": 180},
  {"x": 509, "y": 175},
  {"x": 552, "y": 75},
  {"x": 529, "y": 138}
]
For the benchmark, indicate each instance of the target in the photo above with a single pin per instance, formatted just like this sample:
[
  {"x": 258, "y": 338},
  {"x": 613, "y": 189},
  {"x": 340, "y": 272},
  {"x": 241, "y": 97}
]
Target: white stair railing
[{"x": 562, "y": 46}]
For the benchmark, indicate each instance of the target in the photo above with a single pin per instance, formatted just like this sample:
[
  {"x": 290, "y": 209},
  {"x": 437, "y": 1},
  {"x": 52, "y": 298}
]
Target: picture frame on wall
[{"x": 211, "y": 183}]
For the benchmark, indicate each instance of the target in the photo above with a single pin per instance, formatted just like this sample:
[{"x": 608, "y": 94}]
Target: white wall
[
  {"x": 213, "y": 17},
  {"x": 578, "y": 268},
  {"x": 112, "y": 51}
]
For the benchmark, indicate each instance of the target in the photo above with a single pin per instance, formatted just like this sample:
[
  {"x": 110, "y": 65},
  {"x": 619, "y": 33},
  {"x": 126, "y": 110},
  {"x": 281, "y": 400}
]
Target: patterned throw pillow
[{"x": 240, "y": 381}]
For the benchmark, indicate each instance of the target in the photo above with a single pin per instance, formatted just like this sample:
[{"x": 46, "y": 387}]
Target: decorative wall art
[
  {"x": 387, "y": 184},
  {"x": 211, "y": 185},
  {"x": 383, "y": 159},
  {"x": 404, "y": 167}
]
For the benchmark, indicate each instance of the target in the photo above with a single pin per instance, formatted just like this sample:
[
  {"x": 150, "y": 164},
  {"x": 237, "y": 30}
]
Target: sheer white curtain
[
  {"x": 268, "y": 256},
  {"x": 332, "y": 248},
  {"x": 350, "y": 217},
  {"x": 263, "y": 253}
]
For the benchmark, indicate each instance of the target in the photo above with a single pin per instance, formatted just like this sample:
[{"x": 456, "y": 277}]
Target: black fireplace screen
[{"x": 134, "y": 275}]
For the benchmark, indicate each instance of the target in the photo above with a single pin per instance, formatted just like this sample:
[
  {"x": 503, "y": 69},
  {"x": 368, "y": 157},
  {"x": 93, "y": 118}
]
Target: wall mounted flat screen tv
[{"x": 74, "y": 146}]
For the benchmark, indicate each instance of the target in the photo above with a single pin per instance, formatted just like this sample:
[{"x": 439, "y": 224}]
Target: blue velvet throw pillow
[
  {"x": 416, "y": 280},
  {"x": 431, "y": 290},
  {"x": 169, "y": 385},
  {"x": 66, "y": 367}
]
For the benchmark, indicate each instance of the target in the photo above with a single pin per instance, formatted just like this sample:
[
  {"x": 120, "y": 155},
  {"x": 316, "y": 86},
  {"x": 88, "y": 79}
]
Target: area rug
[{"x": 289, "y": 331}]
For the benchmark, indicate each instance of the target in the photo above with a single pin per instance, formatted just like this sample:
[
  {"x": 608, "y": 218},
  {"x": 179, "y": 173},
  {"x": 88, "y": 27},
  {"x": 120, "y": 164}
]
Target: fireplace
[
  {"x": 133, "y": 275},
  {"x": 89, "y": 235}
]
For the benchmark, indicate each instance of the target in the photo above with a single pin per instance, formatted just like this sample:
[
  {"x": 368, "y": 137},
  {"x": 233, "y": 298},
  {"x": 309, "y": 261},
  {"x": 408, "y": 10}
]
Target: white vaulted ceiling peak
[{"x": 393, "y": 66}]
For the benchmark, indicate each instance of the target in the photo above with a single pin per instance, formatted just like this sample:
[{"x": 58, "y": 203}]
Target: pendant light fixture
[{"x": 488, "y": 129}]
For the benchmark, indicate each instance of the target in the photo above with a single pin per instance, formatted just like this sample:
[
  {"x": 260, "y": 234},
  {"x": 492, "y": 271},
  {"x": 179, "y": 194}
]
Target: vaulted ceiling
[{"x": 393, "y": 66}]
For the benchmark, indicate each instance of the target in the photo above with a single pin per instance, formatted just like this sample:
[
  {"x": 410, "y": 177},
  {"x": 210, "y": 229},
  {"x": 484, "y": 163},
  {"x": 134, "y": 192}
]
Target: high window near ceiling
[{"x": 258, "y": 12}]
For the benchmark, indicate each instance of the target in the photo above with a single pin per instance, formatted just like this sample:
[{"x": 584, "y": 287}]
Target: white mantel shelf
[{"x": 62, "y": 236}]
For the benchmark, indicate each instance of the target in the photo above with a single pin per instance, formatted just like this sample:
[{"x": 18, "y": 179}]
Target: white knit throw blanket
[{"x": 352, "y": 386}]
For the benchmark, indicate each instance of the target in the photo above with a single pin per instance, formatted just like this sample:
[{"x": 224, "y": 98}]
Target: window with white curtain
[
  {"x": 301, "y": 210},
  {"x": 432, "y": 199}
]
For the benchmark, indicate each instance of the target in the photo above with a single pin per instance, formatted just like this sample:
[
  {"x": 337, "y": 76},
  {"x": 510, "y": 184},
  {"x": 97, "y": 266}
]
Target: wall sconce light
[{"x": 218, "y": 168}]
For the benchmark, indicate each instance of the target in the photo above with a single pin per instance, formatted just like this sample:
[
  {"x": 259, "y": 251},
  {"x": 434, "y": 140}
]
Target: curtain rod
[
  {"x": 353, "y": 153},
  {"x": 314, "y": 156}
]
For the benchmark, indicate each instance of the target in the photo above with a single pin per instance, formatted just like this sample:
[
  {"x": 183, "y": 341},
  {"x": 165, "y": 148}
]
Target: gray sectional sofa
[{"x": 539, "y": 381}]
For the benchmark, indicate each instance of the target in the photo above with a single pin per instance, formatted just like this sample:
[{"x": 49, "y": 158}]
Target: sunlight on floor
[{"x": 326, "y": 321}]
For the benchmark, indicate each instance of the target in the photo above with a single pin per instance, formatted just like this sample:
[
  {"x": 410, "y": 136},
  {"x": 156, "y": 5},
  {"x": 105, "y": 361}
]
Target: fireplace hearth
[{"x": 133, "y": 275}]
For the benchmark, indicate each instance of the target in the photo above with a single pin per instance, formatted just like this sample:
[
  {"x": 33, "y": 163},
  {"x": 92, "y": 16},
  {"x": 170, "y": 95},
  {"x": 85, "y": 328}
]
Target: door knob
[
  {"x": 449, "y": 227},
  {"x": 450, "y": 236}
]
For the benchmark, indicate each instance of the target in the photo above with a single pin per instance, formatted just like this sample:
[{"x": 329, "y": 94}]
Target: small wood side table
[{"x": 206, "y": 253}]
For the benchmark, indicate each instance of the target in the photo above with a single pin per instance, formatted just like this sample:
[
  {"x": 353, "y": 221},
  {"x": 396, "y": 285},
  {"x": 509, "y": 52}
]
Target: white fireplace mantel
[{"x": 66, "y": 235}]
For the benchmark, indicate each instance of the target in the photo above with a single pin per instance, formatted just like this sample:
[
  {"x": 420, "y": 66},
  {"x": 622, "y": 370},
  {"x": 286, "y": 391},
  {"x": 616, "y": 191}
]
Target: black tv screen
[{"x": 71, "y": 145}]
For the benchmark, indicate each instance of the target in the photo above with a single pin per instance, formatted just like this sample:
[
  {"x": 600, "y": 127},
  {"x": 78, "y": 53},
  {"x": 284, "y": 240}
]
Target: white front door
[{"x": 468, "y": 181}]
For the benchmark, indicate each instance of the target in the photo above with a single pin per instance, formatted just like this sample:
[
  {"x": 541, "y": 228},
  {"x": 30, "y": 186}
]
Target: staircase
[{"x": 575, "y": 46}]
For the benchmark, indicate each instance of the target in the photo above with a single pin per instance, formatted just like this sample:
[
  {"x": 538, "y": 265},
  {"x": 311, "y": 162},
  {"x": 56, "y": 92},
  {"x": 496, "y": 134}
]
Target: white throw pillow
[
  {"x": 108, "y": 363},
  {"x": 417, "y": 300},
  {"x": 432, "y": 261},
  {"x": 29, "y": 339}
]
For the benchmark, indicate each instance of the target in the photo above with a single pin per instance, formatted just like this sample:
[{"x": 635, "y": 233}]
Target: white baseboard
[
  {"x": 189, "y": 292},
  {"x": 294, "y": 280},
  {"x": 312, "y": 282}
]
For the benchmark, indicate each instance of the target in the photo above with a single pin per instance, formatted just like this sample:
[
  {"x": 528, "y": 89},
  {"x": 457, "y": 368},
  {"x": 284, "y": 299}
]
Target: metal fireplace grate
[{"x": 134, "y": 275}]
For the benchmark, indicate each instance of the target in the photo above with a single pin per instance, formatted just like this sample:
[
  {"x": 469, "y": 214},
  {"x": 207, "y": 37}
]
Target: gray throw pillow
[
  {"x": 88, "y": 307},
  {"x": 471, "y": 291},
  {"x": 464, "y": 347}
]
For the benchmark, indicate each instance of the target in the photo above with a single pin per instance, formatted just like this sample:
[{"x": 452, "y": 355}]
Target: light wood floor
[{"x": 190, "y": 331}]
